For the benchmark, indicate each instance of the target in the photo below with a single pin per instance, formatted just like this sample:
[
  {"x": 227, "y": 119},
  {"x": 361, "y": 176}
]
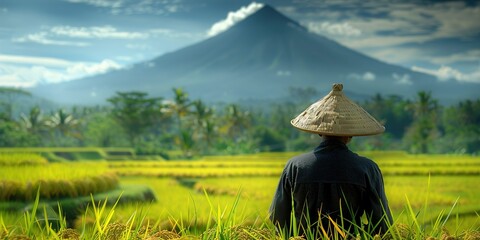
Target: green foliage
[
  {"x": 8, "y": 97},
  {"x": 461, "y": 126},
  {"x": 393, "y": 111},
  {"x": 102, "y": 130},
  {"x": 424, "y": 129},
  {"x": 152, "y": 125},
  {"x": 11, "y": 135},
  {"x": 135, "y": 112},
  {"x": 268, "y": 140}
]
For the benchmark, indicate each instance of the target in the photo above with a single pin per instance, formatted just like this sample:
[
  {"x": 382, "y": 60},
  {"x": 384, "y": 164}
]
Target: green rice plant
[
  {"x": 102, "y": 221},
  {"x": 9, "y": 189},
  {"x": 224, "y": 223},
  {"x": 29, "y": 173},
  {"x": 183, "y": 210},
  {"x": 224, "y": 220},
  {"x": 304, "y": 228},
  {"x": 421, "y": 228},
  {"x": 57, "y": 188},
  {"x": 257, "y": 193},
  {"x": 62, "y": 154},
  {"x": 58, "y": 180}
]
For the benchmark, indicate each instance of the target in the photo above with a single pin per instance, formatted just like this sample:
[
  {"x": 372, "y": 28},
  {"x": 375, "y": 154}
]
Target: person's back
[
  {"x": 331, "y": 182},
  {"x": 332, "y": 185}
]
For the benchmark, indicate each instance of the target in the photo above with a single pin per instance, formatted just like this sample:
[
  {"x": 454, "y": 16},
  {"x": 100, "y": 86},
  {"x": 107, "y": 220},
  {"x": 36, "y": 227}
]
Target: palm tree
[
  {"x": 237, "y": 121},
  {"x": 63, "y": 124},
  {"x": 33, "y": 122},
  {"x": 180, "y": 106},
  {"x": 204, "y": 125},
  {"x": 424, "y": 129},
  {"x": 425, "y": 106}
]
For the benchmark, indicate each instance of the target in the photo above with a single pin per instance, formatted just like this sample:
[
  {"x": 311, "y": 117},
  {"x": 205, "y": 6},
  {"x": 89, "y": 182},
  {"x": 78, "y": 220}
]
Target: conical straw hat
[{"x": 336, "y": 115}]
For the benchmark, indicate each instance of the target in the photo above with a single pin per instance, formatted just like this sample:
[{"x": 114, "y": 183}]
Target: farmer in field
[{"x": 327, "y": 190}]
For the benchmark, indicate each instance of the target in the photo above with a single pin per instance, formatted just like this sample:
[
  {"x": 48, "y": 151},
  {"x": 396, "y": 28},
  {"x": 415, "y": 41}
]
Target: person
[{"x": 327, "y": 191}]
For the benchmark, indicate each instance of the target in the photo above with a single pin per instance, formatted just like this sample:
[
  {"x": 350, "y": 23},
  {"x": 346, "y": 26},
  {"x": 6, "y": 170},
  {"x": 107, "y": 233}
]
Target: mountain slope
[{"x": 259, "y": 58}]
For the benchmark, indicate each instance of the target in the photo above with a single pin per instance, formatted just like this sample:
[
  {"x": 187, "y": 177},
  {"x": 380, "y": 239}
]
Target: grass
[
  {"x": 56, "y": 180},
  {"x": 28, "y": 173},
  {"x": 21, "y": 158},
  {"x": 59, "y": 154},
  {"x": 224, "y": 222},
  {"x": 227, "y": 197}
]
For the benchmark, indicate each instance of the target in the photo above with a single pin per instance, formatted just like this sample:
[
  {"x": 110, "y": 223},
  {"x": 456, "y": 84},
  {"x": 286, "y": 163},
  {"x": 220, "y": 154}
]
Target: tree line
[{"x": 155, "y": 125}]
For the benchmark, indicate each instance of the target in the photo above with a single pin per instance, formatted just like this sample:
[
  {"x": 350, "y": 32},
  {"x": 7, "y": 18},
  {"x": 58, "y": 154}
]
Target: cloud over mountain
[
  {"x": 233, "y": 18},
  {"x": 260, "y": 57}
]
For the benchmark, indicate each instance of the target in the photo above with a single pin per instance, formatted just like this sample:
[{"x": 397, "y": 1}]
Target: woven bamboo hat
[{"x": 336, "y": 115}]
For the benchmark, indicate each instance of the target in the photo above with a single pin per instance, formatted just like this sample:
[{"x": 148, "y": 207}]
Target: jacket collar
[{"x": 330, "y": 145}]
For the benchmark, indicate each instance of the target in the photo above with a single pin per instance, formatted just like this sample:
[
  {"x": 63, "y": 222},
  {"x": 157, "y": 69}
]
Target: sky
[{"x": 50, "y": 41}]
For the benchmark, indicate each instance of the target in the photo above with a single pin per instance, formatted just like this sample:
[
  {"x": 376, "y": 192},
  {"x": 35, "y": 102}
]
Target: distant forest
[{"x": 155, "y": 126}]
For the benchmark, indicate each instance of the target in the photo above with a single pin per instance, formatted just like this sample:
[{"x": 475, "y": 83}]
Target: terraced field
[
  {"x": 193, "y": 195},
  {"x": 432, "y": 185}
]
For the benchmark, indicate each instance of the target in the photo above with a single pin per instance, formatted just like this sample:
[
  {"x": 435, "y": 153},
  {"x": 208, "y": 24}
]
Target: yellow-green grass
[
  {"x": 73, "y": 170},
  {"x": 190, "y": 208},
  {"x": 273, "y": 165},
  {"x": 406, "y": 179},
  {"x": 21, "y": 158},
  {"x": 55, "y": 180},
  {"x": 180, "y": 206},
  {"x": 59, "y": 154},
  {"x": 182, "y": 202}
]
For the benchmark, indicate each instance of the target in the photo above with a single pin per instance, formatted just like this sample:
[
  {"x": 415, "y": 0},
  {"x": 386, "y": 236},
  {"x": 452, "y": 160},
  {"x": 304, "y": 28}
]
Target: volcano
[{"x": 260, "y": 57}]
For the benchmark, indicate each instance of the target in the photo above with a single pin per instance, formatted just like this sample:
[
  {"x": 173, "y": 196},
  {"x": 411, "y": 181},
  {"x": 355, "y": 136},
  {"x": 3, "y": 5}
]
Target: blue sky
[{"x": 48, "y": 41}]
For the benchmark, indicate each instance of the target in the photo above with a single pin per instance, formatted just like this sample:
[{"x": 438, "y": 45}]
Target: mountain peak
[
  {"x": 260, "y": 57},
  {"x": 268, "y": 8},
  {"x": 267, "y": 16}
]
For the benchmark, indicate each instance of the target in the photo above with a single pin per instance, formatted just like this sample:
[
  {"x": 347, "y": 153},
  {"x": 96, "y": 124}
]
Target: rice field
[
  {"x": 194, "y": 195},
  {"x": 21, "y": 182}
]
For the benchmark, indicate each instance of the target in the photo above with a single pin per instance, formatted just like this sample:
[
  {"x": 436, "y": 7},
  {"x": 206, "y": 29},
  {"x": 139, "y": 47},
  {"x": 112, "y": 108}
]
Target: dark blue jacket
[{"x": 331, "y": 181}]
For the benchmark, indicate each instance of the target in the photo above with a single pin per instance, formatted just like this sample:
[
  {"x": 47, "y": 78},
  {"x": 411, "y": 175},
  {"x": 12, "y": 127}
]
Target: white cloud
[
  {"x": 456, "y": 19},
  {"x": 29, "y": 71},
  {"x": 445, "y": 73},
  {"x": 402, "y": 79},
  {"x": 396, "y": 55},
  {"x": 12, "y": 81},
  {"x": 95, "y": 32},
  {"x": 367, "y": 76},
  {"x": 43, "y": 38},
  {"x": 21, "y": 76},
  {"x": 128, "y": 7},
  {"x": 100, "y": 3},
  {"x": 334, "y": 29},
  {"x": 173, "y": 34},
  {"x": 57, "y": 35},
  {"x": 469, "y": 56},
  {"x": 82, "y": 69},
  {"x": 400, "y": 22},
  {"x": 50, "y": 37},
  {"x": 16, "y": 59},
  {"x": 233, "y": 18}
]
